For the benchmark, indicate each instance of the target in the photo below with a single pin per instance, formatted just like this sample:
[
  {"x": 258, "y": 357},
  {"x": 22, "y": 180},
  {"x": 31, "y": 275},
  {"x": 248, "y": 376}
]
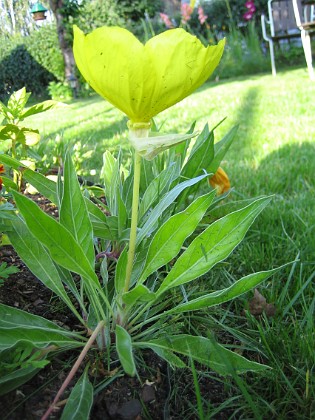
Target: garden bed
[
  {"x": 125, "y": 397},
  {"x": 158, "y": 392}
]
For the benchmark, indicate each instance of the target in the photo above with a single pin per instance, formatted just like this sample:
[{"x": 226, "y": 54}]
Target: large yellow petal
[
  {"x": 181, "y": 64},
  {"x": 143, "y": 80},
  {"x": 112, "y": 61}
]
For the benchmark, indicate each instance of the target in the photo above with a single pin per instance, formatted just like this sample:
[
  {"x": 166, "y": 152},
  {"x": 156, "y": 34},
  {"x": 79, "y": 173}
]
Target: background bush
[{"x": 31, "y": 61}]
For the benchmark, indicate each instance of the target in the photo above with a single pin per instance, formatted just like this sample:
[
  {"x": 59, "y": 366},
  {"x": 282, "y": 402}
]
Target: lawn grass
[{"x": 274, "y": 154}]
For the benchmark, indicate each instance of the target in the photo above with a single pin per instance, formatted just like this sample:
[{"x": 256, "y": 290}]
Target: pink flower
[
  {"x": 201, "y": 15},
  {"x": 250, "y": 6},
  {"x": 186, "y": 11},
  {"x": 166, "y": 20},
  {"x": 248, "y": 15},
  {"x": 251, "y": 10}
]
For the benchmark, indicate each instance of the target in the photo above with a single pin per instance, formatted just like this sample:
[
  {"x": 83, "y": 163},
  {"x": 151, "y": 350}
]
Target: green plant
[
  {"x": 16, "y": 137},
  {"x": 143, "y": 312},
  {"x": 150, "y": 234},
  {"x": 59, "y": 90},
  {"x": 5, "y": 271},
  {"x": 244, "y": 54}
]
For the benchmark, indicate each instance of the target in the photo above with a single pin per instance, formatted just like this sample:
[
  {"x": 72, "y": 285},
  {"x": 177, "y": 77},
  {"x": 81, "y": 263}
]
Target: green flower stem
[
  {"x": 134, "y": 220},
  {"x": 138, "y": 132}
]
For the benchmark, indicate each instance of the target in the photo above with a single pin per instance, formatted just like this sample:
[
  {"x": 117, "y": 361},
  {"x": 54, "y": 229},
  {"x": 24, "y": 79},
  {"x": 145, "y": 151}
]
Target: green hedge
[{"x": 32, "y": 62}]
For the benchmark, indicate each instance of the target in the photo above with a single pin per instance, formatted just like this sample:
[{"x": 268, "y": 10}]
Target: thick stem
[
  {"x": 75, "y": 367},
  {"x": 134, "y": 220}
]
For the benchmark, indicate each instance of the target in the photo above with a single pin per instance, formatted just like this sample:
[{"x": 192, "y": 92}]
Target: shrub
[
  {"x": 59, "y": 91},
  {"x": 18, "y": 68},
  {"x": 44, "y": 47},
  {"x": 32, "y": 62}
]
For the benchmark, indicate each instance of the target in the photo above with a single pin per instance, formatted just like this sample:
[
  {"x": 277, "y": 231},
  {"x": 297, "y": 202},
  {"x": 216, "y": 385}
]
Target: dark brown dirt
[{"x": 158, "y": 392}]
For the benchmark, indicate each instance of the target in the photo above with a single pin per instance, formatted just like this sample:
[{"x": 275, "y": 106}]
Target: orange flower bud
[{"x": 220, "y": 181}]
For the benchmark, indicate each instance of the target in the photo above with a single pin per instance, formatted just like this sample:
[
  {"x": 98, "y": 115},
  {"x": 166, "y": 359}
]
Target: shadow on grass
[{"x": 286, "y": 227}]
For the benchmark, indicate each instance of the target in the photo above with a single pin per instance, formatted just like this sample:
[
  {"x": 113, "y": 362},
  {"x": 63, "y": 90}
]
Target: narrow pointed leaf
[
  {"x": 206, "y": 352},
  {"x": 220, "y": 296},
  {"x": 60, "y": 243},
  {"x": 16, "y": 378},
  {"x": 11, "y": 317},
  {"x": 170, "y": 237},
  {"x": 18, "y": 327},
  {"x": 157, "y": 188},
  {"x": 80, "y": 401},
  {"x": 120, "y": 273},
  {"x": 221, "y": 148},
  {"x": 165, "y": 202},
  {"x": 124, "y": 350},
  {"x": 73, "y": 211},
  {"x": 201, "y": 154},
  {"x": 213, "y": 245},
  {"x": 42, "y": 107},
  {"x": 38, "y": 260},
  {"x": 140, "y": 294}
]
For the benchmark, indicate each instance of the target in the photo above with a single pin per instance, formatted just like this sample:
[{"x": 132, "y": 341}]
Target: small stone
[
  {"x": 130, "y": 409},
  {"x": 148, "y": 394}
]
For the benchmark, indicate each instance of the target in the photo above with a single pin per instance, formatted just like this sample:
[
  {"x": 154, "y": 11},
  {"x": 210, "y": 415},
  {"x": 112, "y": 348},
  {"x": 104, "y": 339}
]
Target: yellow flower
[
  {"x": 220, "y": 181},
  {"x": 143, "y": 80}
]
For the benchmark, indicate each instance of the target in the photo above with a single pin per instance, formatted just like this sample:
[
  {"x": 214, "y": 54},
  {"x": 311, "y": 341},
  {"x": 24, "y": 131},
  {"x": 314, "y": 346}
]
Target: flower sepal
[{"x": 155, "y": 143}]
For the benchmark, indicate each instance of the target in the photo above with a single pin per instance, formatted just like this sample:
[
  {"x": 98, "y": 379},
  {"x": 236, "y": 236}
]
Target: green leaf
[
  {"x": 170, "y": 237},
  {"x": 221, "y": 148},
  {"x": 31, "y": 137},
  {"x": 205, "y": 351},
  {"x": 73, "y": 212},
  {"x": 17, "y": 101},
  {"x": 8, "y": 183},
  {"x": 213, "y": 245},
  {"x": 42, "y": 107},
  {"x": 80, "y": 401},
  {"x": 38, "y": 338},
  {"x": 18, "y": 327},
  {"x": 147, "y": 174},
  {"x": 43, "y": 185},
  {"x": 105, "y": 227},
  {"x": 13, "y": 163},
  {"x": 107, "y": 172},
  {"x": 38, "y": 260},
  {"x": 17, "y": 378},
  {"x": 157, "y": 188},
  {"x": 11, "y": 317},
  {"x": 5, "y": 111},
  {"x": 120, "y": 273},
  {"x": 5, "y": 271},
  {"x": 60, "y": 243},
  {"x": 122, "y": 213},
  {"x": 138, "y": 294},
  {"x": 164, "y": 203},
  {"x": 21, "y": 135},
  {"x": 224, "y": 295},
  {"x": 171, "y": 358},
  {"x": 201, "y": 155},
  {"x": 124, "y": 350},
  {"x": 178, "y": 152}
]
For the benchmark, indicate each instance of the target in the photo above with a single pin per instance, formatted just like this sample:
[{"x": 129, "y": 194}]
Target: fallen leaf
[{"x": 258, "y": 305}]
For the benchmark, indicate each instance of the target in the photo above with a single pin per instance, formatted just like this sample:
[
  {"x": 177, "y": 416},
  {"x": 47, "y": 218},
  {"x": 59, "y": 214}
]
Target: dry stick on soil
[{"x": 75, "y": 367}]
